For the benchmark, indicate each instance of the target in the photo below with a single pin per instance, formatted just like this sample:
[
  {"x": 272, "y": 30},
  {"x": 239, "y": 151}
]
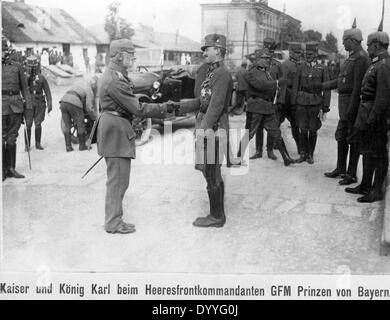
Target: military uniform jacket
[
  {"x": 349, "y": 83},
  {"x": 13, "y": 80},
  {"x": 213, "y": 90},
  {"x": 261, "y": 90},
  {"x": 242, "y": 85},
  {"x": 115, "y": 134},
  {"x": 289, "y": 69},
  {"x": 39, "y": 91},
  {"x": 375, "y": 93},
  {"x": 303, "y": 94}
]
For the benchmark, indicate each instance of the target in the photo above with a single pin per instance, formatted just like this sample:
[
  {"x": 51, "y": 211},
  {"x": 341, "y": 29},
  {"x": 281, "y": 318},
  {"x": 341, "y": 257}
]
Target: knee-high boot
[
  {"x": 11, "y": 152},
  {"x": 368, "y": 172},
  {"x": 351, "y": 177},
  {"x": 38, "y": 135},
  {"x": 342, "y": 153},
  {"x": 27, "y": 139},
  {"x": 283, "y": 151},
  {"x": 311, "y": 146},
  {"x": 303, "y": 145}
]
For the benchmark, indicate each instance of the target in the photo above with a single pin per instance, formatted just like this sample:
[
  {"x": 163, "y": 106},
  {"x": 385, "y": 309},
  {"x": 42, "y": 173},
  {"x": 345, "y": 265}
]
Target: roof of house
[
  {"x": 147, "y": 38},
  {"x": 22, "y": 22}
]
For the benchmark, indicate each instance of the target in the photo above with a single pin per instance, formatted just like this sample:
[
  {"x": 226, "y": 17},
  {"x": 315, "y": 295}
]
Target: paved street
[{"x": 280, "y": 219}]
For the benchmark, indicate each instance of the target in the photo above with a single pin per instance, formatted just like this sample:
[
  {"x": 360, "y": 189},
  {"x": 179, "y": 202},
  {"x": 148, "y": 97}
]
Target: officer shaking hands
[{"x": 115, "y": 135}]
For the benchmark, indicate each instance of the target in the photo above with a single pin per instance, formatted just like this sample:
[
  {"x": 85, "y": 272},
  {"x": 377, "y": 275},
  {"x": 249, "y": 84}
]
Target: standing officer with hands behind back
[{"x": 115, "y": 135}]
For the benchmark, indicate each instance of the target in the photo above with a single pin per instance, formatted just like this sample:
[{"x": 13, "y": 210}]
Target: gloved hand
[{"x": 173, "y": 107}]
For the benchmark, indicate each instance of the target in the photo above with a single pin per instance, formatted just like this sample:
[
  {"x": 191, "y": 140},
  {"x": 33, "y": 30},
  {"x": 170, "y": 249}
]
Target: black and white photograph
[{"x": 173, "y": 139}]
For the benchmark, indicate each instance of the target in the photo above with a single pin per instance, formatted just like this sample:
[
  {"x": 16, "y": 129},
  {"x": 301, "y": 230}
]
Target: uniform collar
[
  {"x": 116, "y": 67},
  {"x": 215, "y": 65},
  {"x": 381, "y": 56}
]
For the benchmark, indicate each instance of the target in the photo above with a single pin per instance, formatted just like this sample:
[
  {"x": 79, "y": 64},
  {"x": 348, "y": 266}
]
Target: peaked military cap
[
  {"x": 295, "y": 46},
  {"x": 353, "y": 33},
  {"x": 214, "y": 40},
  {"x": 312, "y": 46},
  {"x": 269, "y": 41},
  {"x": 32, "y": 61},
  {"x": 379, "y": 36},
  {"x": 121, "y": 45}
]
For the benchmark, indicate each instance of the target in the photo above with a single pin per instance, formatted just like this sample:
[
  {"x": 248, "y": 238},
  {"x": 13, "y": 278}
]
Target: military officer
[
  {"x": 288, "y": 111},
  {"x": 115, "y": 135},
  {"x": 276, "y": 71},
  {"x": 312, "y": 104},
  {"x": 79, "y": 99},
  {"x": 262, "y": 103},
  {"x": 13, "y": 89},
  {"x": 348, "y": 84},
  {"x": 213, "y": 90},
  {"x": 371, "y": 120},
  {"x": 40, "y": 98}
]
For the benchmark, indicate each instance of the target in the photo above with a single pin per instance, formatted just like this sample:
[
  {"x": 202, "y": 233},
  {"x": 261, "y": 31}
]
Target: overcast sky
[{"x": 185, "y": 15}]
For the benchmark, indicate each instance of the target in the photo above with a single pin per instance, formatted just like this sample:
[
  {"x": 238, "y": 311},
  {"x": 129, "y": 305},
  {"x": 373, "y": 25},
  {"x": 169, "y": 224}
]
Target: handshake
[{"x": 173, "y": 107}]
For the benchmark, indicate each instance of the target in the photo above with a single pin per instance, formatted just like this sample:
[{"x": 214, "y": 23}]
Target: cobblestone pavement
[{"x": 288, "y": 220}]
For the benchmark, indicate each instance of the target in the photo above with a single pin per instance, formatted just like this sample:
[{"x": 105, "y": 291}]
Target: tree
[
  {"x": 330, "y": 42},
  {"x": 291, "y": 32},
  {"x": 312, "y": 35},
  {"x": 115, "y": 26}
]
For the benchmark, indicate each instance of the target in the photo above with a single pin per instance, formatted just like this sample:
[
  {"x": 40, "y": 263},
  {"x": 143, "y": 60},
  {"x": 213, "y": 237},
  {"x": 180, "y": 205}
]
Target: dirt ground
[{"x": 280, "y": 220}]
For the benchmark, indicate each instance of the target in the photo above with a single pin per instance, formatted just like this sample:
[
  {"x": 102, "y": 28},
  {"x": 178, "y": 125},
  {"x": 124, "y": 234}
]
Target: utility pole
[{"x": 245, "y": 39}]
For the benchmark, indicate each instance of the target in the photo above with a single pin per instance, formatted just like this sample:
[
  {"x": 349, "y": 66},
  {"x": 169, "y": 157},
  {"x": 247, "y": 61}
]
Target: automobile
[{"x": 174, "y": 84}]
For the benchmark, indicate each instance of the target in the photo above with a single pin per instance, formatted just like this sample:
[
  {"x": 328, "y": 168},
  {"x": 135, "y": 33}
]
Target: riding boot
[
  {"x": 368, "y": 172},
  {"x": 283, "y": 151},
  {"x": 27, "y": 140},
  {"x": 68, "y": 142},
  {"x": 303, "y": 146},
  {"x": 342, "y": 153},
  {"x": 351, "y": 177},
  {"x": 38, "y": 135},
  {"x": 311, "y": 147},
  {"x": 11, "y": 152},
  {"x": 295, "y": 134},
  {"x": 216, "y": 217},
  {"x": 4, "y": 163},
  {"x": 222, "y": 201},
  {"x": 82, "y": 145},
  {"x": 376, "y": 193},
  {"x": 270, "y": 147}
]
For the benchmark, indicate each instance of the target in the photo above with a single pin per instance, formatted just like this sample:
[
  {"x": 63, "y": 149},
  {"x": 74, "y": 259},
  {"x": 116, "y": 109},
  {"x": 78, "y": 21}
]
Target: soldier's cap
[
  {"x": 121, "y": 45},
  {"x": 379, "y": 36},
  {"x": 214, "y": 40},
  {"x": 354, "y": 33},
  {"x": 262, "y": 54},
  {"x": 312, "y": 46},
  {"x": 32, "y": 61},
  {"x": 295, "y": 47}
]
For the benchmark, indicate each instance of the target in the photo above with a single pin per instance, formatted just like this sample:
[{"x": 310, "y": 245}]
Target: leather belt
[
  {"x": 74, "y": 93},
  {"x": 9, "y": 93},
  {"x": 118, "y": 114},
  {"x": 265, "y": 99}
]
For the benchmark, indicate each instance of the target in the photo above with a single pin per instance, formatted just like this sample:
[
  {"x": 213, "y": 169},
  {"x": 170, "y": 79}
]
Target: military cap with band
[
  {"x": 214, "y": 40},
  {"x": 121, "y": 45},
  {"x": 379, "y": 36},
  {"x": 354, "y": 33},
  {"x": 295, "y": 47},
  {"x": 32, "y": 61},
  {"x": 312, "y": 46}
]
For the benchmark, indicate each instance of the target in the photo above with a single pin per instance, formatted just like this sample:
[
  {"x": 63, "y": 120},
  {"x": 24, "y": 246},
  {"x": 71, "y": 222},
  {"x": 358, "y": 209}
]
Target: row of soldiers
[
  {"x": 25, "y": 97},
  {"x": 299, "y": 90}
]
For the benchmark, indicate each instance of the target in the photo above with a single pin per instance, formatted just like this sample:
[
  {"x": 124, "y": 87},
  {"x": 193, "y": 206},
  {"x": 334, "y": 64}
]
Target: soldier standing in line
[
  {"x": 212, "y": 125},
  {"x": 13, "y": 88},
  {"x": 40, "y": 97},
  {"x": 242, "y": 89},
  {"x": 288, "y": 111},
  {"x": 262, "y": 103},
  {"x": 348, "y": 84},
  {"x": 115, "y": 135},
  {"x": 372, "y": 117},
  {"x": 276, "y": 71},
  {"x": 312, "y": 104}
]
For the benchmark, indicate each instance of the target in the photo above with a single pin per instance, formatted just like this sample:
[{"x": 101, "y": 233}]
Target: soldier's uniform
[
  {"x": 79, "y": 99},
  {"x": 262, "y": 89},
  {"x": 14, "y": 89},
  {"x": 276, "y": 71},
  {"x": 348, "y": 84},
  {"x": 371, "y": 120},
  {"x": 211, "y": 107},
  {"x": 288, "y": 110},
  {"x": 310, "y": 102},
  {"x": 40, "y": 98},
  {"x": 115, "y": 135}
]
